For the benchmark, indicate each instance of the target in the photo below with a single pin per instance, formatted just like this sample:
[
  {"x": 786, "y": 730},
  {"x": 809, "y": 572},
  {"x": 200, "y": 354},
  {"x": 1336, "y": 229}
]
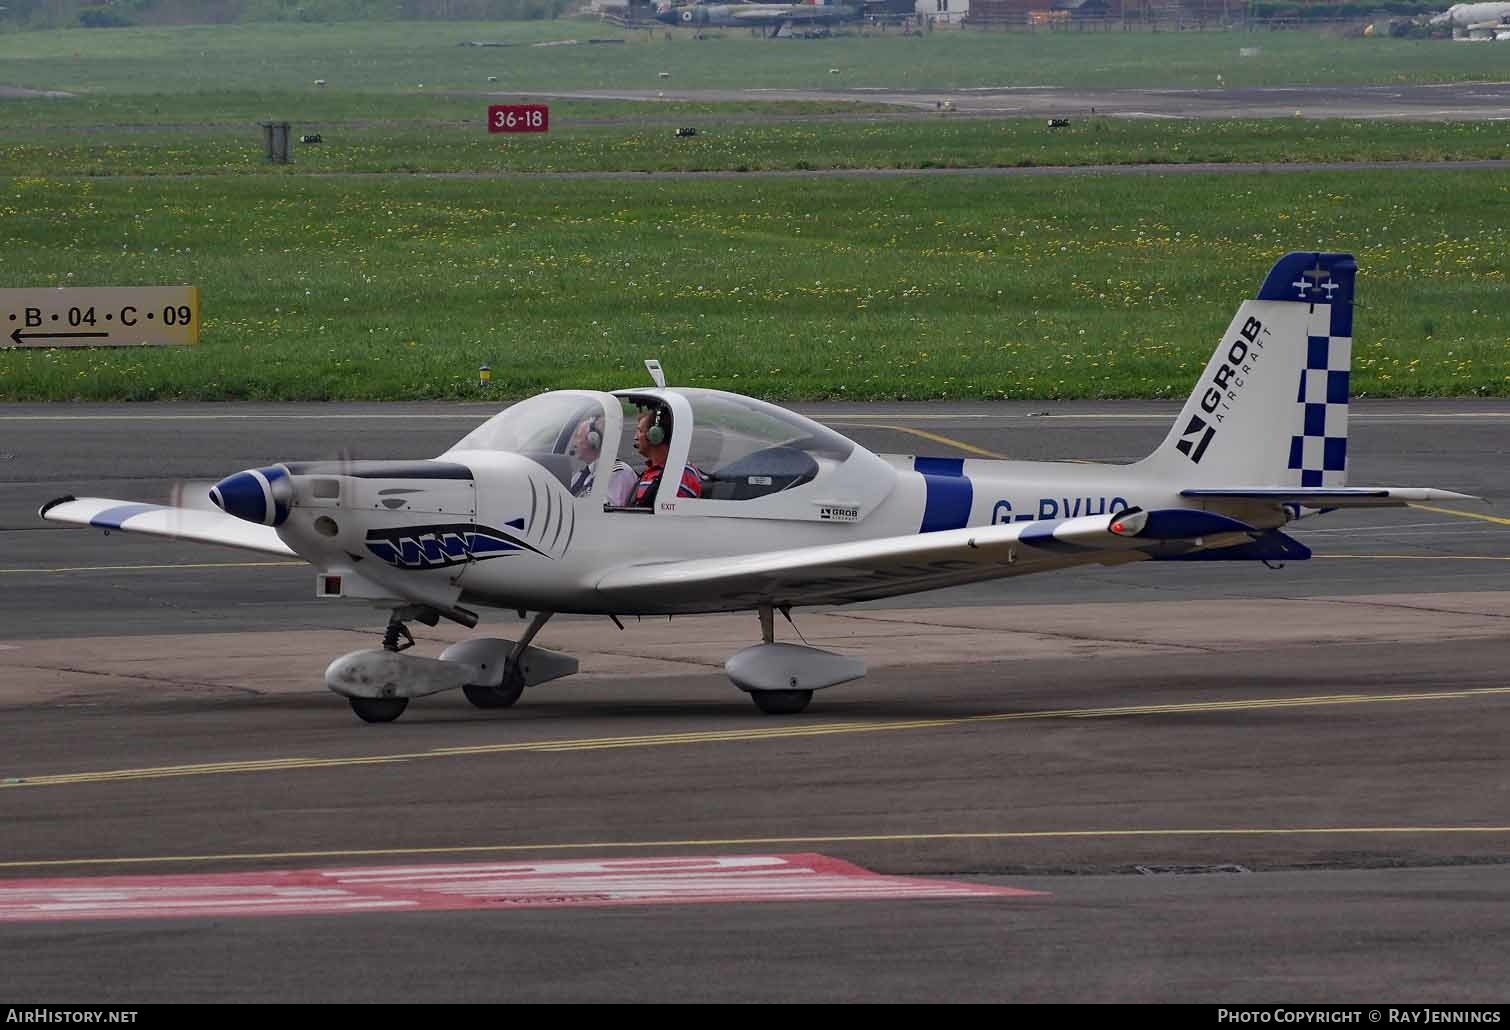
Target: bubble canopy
[
  {"x": 740, "y": 448},
  {"x": 549, "y": 429}
]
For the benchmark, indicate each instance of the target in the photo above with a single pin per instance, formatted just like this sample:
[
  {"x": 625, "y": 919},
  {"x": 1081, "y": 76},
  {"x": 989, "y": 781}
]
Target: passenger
[
  {"x": 652, "y": 438},
  {"x": 587, "y": 442}
]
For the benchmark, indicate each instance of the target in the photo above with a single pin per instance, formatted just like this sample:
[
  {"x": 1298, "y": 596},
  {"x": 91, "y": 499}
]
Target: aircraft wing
[
  {"x": 1330, "y": 497},
  {"x": 197, "y": 525},
  {"x": 885, "y": 567}
]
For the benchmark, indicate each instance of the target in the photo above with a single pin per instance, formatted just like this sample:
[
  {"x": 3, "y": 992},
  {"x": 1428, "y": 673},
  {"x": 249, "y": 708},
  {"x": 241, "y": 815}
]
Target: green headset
[{"x": 655, "y": 435}]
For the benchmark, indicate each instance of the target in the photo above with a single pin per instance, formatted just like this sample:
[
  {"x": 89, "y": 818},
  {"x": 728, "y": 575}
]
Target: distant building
[
  {"x": 1090, "y": 8},
  {"x": 624, "y": 12},
  {"x": 1014, "y": 13},
  {"x": 889, "y": 9},
  {"x": 1020, "y": 13},
  {"x": 943, "y": 10}
]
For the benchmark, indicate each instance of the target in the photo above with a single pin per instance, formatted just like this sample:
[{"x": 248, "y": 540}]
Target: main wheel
[
  {"x": 502, "y": 696},
  {"x": 781, "y": 702},
  {"x": 378, "y": 709}
]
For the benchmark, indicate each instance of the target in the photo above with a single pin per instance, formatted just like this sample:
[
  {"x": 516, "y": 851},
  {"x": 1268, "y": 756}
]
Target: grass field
[
  {"x": 412, "y": 57},
  {"x": 1095, "y": 286},
  {"x": 392, "y": 285},
  {"x": 724, "y": 142}
]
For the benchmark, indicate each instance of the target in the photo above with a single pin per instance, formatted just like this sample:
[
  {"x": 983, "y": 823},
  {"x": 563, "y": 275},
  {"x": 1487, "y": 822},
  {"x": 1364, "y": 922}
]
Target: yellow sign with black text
[{"x": 105, "y": 316}]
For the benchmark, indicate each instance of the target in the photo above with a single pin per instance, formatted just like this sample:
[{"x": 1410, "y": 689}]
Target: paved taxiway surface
[
  {"x": 1438, "y": 101},
  {"x": 1335, "y": 728}
]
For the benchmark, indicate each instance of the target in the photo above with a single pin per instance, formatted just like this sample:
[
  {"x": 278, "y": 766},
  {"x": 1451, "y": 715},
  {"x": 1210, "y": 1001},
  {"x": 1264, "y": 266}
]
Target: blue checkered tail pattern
[{"x": 1270, "y": 408}]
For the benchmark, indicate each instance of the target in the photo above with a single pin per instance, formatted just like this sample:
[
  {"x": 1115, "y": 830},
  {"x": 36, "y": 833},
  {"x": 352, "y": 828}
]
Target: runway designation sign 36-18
[
  {"x": 519, "y": 118},
  {"x": 110, "y": 316}
]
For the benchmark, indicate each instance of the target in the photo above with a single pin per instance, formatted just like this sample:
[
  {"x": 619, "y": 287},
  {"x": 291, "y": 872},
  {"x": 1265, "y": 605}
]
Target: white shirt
[{"x": 620, "y": 483}]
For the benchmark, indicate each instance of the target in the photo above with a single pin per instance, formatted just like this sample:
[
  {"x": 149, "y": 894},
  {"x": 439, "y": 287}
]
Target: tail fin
[{"x": 1271, "y": 407}]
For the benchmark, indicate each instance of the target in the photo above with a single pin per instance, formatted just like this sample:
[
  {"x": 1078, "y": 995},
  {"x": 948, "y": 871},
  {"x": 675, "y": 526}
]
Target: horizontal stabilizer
[
  {"x": 198, "y": 525},
  {"x": 1331, "y": 497},
  {"x": 1272, "y": 546}
]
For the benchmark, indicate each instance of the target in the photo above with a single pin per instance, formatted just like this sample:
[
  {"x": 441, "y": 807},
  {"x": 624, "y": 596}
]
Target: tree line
[{"x": 57, "y": 14}]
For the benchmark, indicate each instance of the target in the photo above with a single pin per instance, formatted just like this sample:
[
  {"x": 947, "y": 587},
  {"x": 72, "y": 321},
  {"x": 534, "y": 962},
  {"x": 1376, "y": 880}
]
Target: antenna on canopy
[{"x": 654, "y": 368}]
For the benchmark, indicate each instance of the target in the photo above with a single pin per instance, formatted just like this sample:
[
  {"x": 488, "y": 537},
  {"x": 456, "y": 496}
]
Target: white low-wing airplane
[{"x": 790, "y": 513}]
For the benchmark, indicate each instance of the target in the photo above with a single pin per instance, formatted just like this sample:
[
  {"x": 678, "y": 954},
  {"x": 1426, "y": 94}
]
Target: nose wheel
[
  {"x": 378, "y": 709},
  {"x": 781, "y": 702}
]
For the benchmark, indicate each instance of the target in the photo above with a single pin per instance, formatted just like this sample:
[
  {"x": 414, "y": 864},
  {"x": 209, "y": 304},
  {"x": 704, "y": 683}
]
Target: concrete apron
[{"x": 204, "y": 665}]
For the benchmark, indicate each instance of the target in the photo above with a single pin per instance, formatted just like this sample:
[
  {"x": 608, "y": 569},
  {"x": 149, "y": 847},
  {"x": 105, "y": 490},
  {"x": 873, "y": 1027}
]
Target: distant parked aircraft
[
  {"x": 1484, "y": 21},
  {"x": 780, "y": 19}
]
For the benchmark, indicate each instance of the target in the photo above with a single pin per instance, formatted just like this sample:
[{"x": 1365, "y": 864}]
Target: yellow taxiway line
[
  {"x": 725, "y": 842},
  {"x": 1421, "y": 557},
  {"x": 154, "y": 568},
  {"x": 1465, "y": 514},
  {"x": 733, "y": 736},
  {"x": 925, "y": 435}
]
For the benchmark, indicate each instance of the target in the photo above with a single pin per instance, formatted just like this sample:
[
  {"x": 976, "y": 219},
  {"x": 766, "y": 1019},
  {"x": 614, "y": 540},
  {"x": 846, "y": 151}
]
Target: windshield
[{"x": 562, "y": 432}]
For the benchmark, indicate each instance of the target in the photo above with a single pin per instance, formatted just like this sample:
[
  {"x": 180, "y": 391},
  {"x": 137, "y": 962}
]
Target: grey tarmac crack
[
  {"x": 1084, "y": 638},
  {"x": 1351, "y": 603},
  {"x": 248, "y": 691}
]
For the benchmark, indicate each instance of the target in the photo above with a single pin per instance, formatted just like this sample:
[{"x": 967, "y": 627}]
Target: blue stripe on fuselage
[{"x": 950, "y": 494}]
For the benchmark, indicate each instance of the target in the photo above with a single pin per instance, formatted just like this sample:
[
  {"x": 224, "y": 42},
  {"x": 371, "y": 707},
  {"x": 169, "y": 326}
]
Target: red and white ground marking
[{"x": 569, "y": 883}]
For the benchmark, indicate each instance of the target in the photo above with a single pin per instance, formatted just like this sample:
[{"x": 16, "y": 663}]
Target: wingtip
[
  {"x": 50, "y": 505},
  {"x": 1453, "y": 495}
]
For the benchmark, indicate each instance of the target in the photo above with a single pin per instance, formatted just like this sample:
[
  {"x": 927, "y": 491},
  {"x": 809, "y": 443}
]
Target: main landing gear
[
  {"x": 781, "y": 678},
  {"x": 507, "y": 692}
]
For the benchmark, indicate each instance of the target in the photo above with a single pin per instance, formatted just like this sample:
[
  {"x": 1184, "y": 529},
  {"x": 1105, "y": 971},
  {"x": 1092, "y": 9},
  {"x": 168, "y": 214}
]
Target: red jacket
[{"x": 644, "y": 491}]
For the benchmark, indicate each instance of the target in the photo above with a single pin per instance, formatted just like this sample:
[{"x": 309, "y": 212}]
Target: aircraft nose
[{"x": 256, "y": 495}]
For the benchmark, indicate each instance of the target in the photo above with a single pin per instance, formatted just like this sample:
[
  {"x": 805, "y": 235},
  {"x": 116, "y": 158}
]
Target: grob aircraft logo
[
  {"x": 1218, "y": 398},
  {"x": 1192, "y": 447}
]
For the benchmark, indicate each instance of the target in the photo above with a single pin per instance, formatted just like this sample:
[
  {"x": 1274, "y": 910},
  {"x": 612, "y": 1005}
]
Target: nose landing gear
[{"x": 396, "y": 638}]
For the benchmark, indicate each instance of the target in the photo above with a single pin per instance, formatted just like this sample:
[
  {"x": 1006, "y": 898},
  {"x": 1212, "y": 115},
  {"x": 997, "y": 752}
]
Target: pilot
[
  {"x": 652, "y": 438},
  {"x": 587, "y": 442}
]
